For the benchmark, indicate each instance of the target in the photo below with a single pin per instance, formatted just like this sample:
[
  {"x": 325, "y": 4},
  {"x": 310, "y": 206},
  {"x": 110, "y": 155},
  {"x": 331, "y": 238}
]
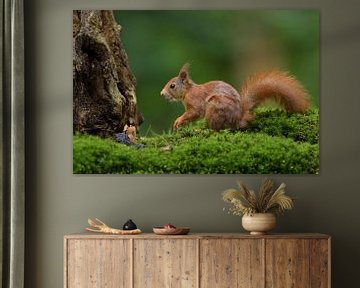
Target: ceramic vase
[{"x": 259, "y": 223}]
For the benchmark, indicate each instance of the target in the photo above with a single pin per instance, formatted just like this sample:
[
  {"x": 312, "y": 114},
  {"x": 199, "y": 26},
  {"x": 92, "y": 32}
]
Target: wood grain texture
[
  {"x": 197, "y": 260},
  {"x": 231, "y": 263},
  {"x": 98, "y": 263},
  {"x": 319, "y": 263},
  {"x": 165, "y": 263},
  {"x": 88, "y": 235},
  {"x": 287, "y": 263}
]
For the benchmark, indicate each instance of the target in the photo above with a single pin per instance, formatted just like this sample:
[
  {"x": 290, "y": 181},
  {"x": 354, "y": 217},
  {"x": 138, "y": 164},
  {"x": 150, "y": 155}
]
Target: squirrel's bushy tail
[{"x": 276, "y": 85}]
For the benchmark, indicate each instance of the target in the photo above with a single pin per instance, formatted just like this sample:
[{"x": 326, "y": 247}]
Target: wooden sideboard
[{"x": 197, "y": 260}]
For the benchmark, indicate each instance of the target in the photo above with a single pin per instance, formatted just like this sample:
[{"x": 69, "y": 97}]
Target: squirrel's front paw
[{"x": 178, "y": 122}]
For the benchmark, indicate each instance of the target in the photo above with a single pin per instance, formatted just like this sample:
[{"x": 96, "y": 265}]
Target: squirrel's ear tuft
[{"x": 184, "y": 72}]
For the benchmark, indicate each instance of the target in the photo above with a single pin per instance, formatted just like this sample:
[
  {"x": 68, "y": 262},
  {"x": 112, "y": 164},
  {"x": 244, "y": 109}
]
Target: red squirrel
[{"x": 223, "y": 107}]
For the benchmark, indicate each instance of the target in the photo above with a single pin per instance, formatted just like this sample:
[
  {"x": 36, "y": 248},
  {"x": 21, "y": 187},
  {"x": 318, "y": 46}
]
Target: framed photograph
[{"x": 196, "y": 92}]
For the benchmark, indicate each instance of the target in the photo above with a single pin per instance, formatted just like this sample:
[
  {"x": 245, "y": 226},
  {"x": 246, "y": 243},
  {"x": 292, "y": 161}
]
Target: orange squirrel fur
[{"x": 223, "y": 107}]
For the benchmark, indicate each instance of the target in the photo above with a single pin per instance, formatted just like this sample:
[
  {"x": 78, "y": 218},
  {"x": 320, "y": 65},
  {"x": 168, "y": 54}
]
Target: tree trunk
[{"x": 104, "y": 97}]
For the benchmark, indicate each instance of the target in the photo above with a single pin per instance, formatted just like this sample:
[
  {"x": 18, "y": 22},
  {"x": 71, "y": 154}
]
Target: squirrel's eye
[{"x": 172, "y": 86}]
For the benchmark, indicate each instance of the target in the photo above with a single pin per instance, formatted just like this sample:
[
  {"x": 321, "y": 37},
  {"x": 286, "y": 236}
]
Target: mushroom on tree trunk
[{"x": 104, "y": 98}]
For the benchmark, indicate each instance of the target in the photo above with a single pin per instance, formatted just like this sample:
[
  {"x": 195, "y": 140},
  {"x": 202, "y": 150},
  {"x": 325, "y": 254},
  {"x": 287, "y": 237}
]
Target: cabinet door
[
  {"x": 297, "y": 263},
  {"x": 98, "y": 263},
  {"x": 287, "y": 263},
  {"x": 320, "y": 263},
  {"x": 231, "y": 263},
  {"x": 165, "y": 263}
]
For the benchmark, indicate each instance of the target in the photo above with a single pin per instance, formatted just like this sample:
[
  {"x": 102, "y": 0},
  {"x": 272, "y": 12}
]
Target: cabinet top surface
[{"x": 87, "y": 235}]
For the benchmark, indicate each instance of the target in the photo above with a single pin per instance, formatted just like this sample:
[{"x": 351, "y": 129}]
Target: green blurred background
[{"x": 219, "y": 45}]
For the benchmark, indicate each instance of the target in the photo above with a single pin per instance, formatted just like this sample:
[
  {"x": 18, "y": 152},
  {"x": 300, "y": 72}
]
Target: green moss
[
  {"x": 274, "y": 143},
  {"x": 299, "y": 127}
]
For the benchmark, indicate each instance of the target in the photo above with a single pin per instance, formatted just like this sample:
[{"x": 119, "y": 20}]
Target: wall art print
[{"x": 196, "y": 92}]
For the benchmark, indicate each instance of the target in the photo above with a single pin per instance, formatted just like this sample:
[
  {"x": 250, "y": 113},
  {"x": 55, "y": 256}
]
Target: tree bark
[{"x": 104, "y": 98}]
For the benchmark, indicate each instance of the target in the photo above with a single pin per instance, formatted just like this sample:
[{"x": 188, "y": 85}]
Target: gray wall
[{"x": 59, "y": 203}]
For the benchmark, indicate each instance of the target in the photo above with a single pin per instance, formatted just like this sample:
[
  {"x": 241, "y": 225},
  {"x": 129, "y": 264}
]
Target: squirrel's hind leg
[{"x": 222, "y": 113}]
